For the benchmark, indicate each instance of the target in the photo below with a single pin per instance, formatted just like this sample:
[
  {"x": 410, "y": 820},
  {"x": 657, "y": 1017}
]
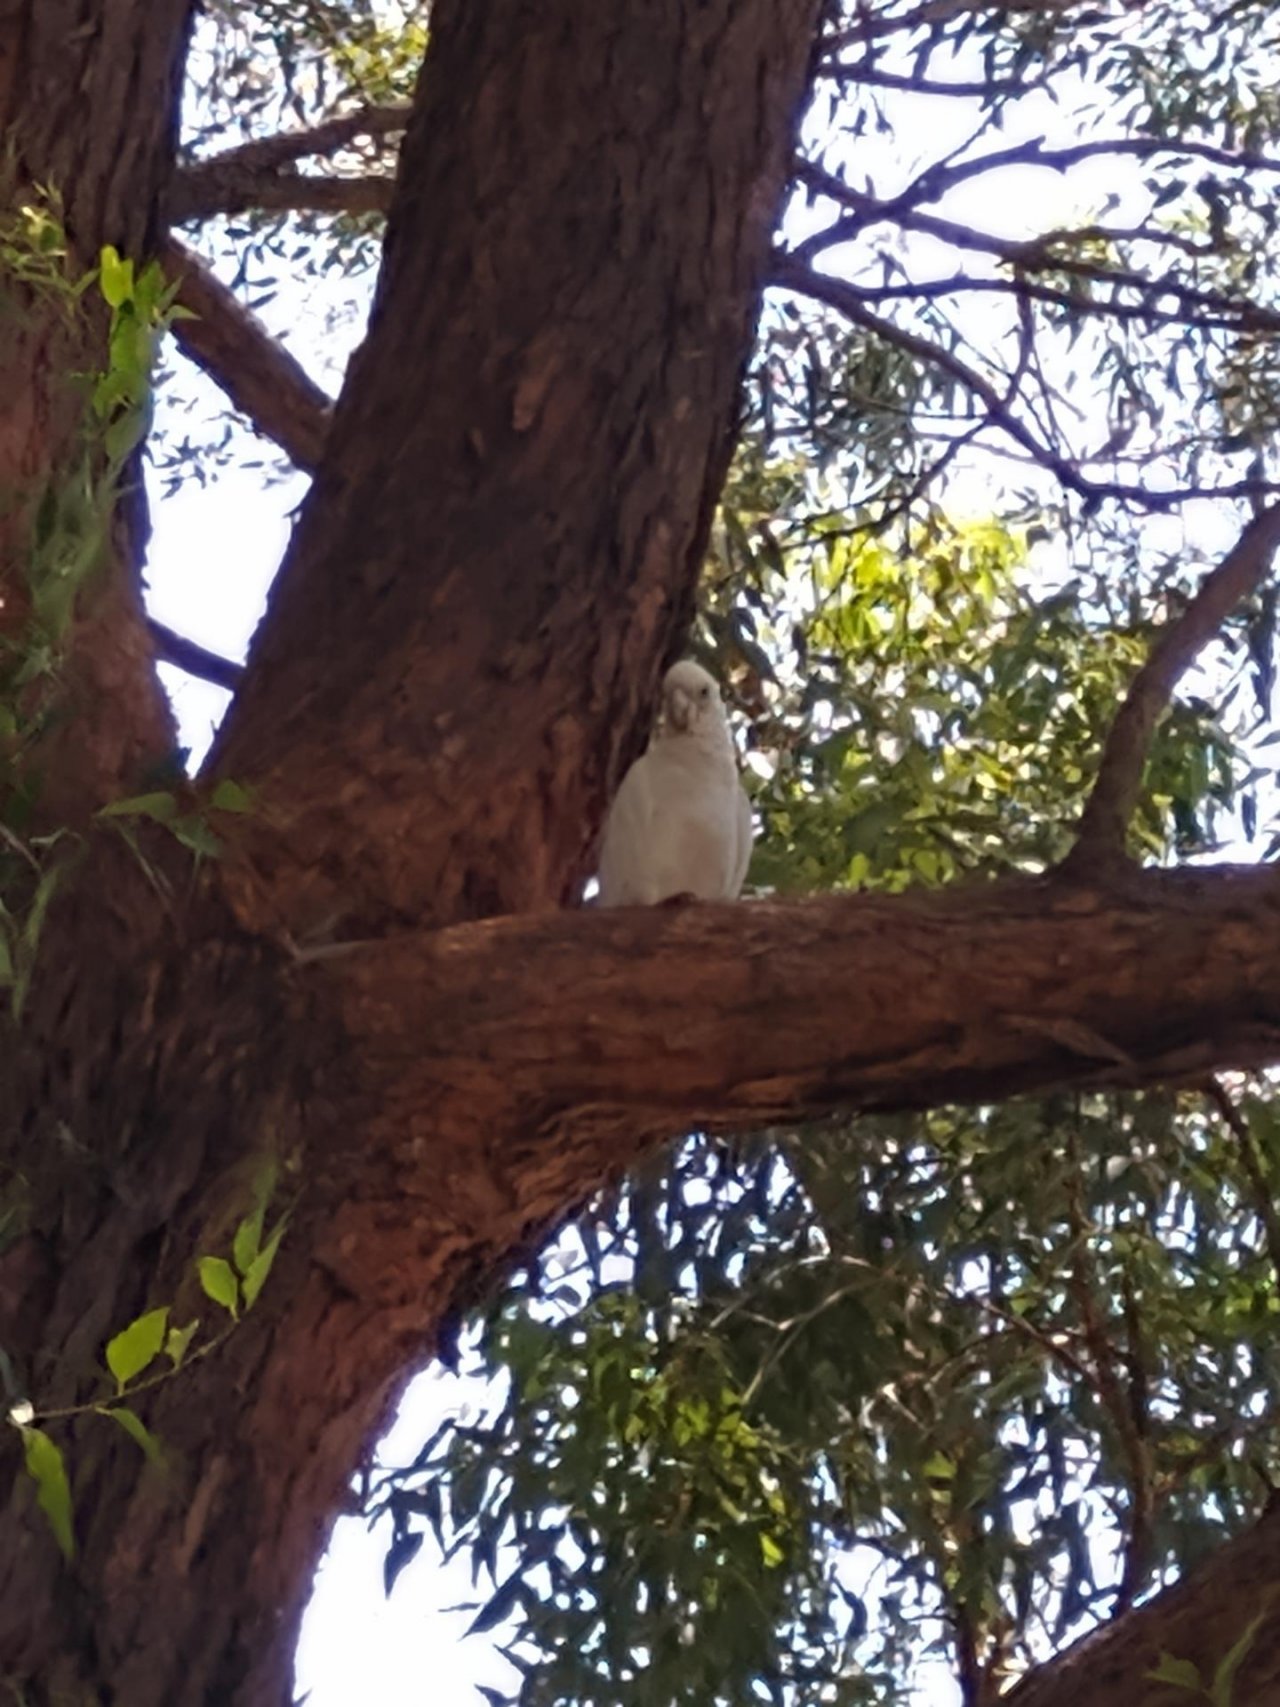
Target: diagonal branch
[
  {"x": 237, "y": 352},
  {"x": 257, "y": 175},
  {"x": 1105, "y": 821},
  {"x": 320, "y": 139},
  {"x": 185, "y": 654},
  {"x": 1226, "y": 1605},
  {"x": 1264, "y": 1199}
]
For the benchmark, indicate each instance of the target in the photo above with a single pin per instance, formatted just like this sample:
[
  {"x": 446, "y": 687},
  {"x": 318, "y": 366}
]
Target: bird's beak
[{"x": 679, "y": 709}]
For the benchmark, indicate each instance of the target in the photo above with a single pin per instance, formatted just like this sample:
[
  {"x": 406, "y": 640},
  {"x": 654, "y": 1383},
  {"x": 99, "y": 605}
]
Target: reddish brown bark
[
  {"x": 502, "y": 544},
  {"x": 88, "y": 93}
]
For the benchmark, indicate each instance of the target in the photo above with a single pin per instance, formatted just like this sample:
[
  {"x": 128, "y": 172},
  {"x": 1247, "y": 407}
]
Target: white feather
[{"x": 680, "y": 823}]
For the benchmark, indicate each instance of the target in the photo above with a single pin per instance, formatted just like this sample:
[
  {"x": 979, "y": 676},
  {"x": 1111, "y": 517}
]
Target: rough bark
[
  {"x": 1231, "y": 1598},
  {"x": 745, "y": 1015},
  {"x": 88, "y": 92},
  {"x": 521, "y": 471}
]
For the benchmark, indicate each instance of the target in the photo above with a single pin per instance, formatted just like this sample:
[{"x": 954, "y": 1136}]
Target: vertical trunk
[
  {"x": 89, "y": 97},
  {"x": 502, "y": 544}
]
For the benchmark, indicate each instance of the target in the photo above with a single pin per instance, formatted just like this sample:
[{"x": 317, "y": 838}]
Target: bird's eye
[{"x": 704, "y": 693}]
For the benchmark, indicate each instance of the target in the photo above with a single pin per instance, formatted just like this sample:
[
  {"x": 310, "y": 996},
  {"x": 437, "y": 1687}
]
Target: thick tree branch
[
  {"x": 326, "y": 138},
  {"x": 237, "y": 352},
  {"x": 1104, "y": 823},
  {"x": 1199, "y": 1620},
  {"x": 532, "y": 427},
  {"x": 732, "y": 1017}
]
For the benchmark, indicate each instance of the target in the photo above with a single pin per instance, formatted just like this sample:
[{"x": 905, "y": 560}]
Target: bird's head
[{"x": 690, "y": 699}]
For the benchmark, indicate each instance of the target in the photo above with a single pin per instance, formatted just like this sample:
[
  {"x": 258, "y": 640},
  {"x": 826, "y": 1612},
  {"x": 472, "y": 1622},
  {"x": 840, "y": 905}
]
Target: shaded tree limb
[
  {"x": 563, "y": 364},
  {"x": 936, "y": 180},
  {"x": 257, "y": 373},
  {"x": 241, "y": 189},
  {"x": 1104, "y": 823},
  {"x": 185, "y": 654},
  {"x": 1231, "y": 1597},
  {"x": 731, "y": 1017},
  {"x": 250, "y": 175},
  {"x": 1027, "y": 255},
  {"x": 1087, "y": 1291},
  {"x": 870, "y": 76}
]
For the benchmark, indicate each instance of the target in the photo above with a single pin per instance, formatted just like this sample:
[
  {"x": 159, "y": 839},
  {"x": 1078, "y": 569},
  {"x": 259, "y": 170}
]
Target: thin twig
[
  {"x": 237, "y": 352},
  {"x": 1082, "y": 1284},
  {"x": 870, "y": 76},
  {"x": 1264, "y": 1205},
  {"x": 1104, "y": 824},
  {"x": 935, "y": 181}
]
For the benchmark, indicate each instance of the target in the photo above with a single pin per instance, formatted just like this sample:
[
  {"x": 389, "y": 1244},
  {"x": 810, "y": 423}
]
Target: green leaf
[
  {"x": 260, "y": 1267},
  {"x": 1180, "y": 1673},
  {"x": 115, "y": 278},
  {"x": 137, "y": 1431},
  {"x": 133, "y": 1348},
  {"x": 124, "y": 435},
  {"x": 47, "y": 1470},
  {"x": 219, "y": 1280},
  {"x": 229, "y": 796},
  {"x": 195, "y": 834},
  {"x": 161, "y": 806},
  {"x": 248, "y": 1239},
  {"x": 178, "y": 1340}
]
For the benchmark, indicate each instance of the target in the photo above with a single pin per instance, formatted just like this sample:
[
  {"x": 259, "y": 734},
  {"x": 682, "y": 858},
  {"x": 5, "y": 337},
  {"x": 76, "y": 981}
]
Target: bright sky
[{"x": 213, "y": 552}]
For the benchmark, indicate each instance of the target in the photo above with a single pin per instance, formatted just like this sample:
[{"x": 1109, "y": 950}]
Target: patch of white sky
[{"x": 216, "y": 543}]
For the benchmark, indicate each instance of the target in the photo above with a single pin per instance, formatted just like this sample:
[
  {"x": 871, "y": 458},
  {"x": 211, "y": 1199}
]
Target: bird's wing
[
  {"x": 625, "y": 843},
  {"x": 746, "y": 835}
]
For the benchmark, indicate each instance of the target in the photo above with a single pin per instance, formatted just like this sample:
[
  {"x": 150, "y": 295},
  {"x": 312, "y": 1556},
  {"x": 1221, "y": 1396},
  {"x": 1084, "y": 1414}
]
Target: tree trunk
[
  {"x": 89, "y": 95},
  {"x": 519, "y": 480}
]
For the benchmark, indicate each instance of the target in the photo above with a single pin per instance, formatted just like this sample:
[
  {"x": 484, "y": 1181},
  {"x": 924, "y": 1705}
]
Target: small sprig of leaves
[
  {"x": 152, "y": 1339},
  {"x": 182, "y": 813}
]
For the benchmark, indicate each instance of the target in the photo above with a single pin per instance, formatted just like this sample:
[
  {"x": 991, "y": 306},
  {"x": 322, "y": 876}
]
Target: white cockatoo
[{"x": 680, "y": 824}]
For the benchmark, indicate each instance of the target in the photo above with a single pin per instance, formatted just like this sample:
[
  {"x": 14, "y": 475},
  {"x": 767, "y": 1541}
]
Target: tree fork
[{"x": 516, "y": 491}]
